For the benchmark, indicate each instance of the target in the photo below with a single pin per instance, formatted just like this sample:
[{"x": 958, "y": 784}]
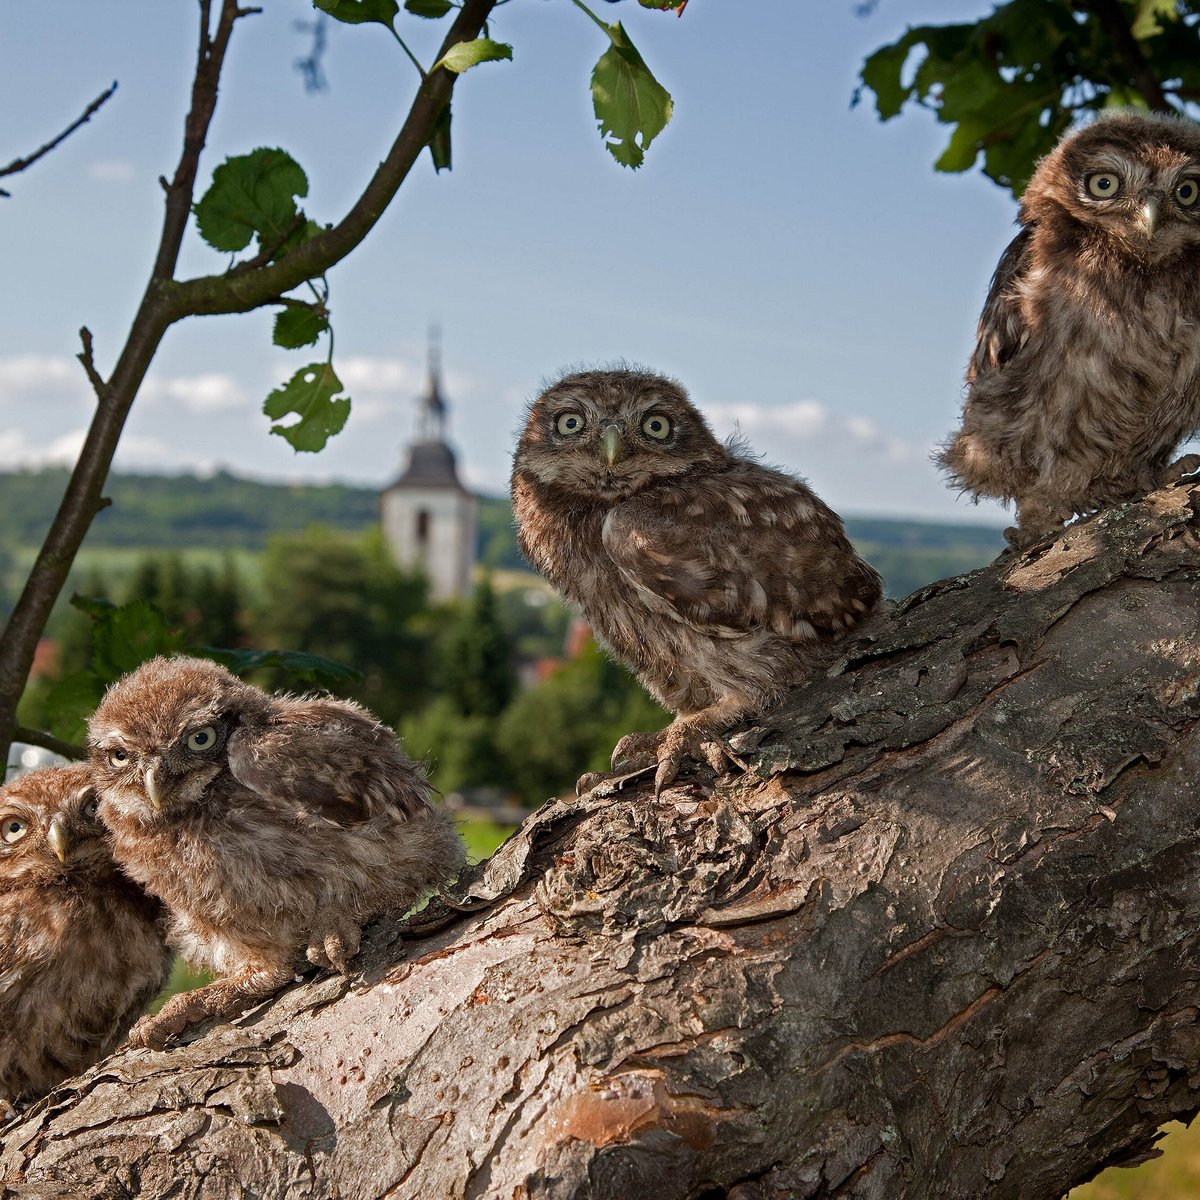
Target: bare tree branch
[
  {"x": 47, "y": 741},
  {"x": 21, "y": 164}
]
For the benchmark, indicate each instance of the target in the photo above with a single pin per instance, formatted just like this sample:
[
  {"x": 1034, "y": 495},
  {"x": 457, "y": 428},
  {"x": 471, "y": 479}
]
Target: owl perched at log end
[
  {"x": 81, "y": 946},
  {"x": 719, "y": 581},
  {"x": 1086, "y": 372},
  {"x": 272, "y": 827}
]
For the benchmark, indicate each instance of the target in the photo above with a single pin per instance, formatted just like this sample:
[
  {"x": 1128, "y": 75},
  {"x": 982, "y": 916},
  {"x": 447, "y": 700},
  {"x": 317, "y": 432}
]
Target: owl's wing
[
  {"x": 1002, "y": 329},
  {"x": 732, "y": 558},
  {"x": 329, "y": 756}
]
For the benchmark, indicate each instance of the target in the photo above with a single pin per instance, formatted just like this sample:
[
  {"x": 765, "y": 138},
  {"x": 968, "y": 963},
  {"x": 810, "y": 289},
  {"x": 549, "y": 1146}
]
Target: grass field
[{"x": 1175, "y": 1176}]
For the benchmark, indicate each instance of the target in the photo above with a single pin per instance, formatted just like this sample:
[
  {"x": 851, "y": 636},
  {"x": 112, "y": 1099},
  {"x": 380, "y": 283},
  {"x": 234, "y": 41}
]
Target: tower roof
[{"x": 431, "y": 464}]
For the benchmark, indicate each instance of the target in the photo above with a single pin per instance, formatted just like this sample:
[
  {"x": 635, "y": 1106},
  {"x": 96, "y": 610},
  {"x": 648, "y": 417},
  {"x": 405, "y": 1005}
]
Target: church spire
[{"x": 431, "y": 422}]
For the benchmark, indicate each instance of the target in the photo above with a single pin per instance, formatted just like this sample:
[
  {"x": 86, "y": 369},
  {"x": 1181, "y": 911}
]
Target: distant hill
[{"x": 177, "y": 512}]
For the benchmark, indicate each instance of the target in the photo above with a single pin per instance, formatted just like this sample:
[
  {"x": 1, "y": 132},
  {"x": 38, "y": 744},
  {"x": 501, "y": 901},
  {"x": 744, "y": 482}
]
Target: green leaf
[
  {"x": 70, "y": 702},
  {"x": 665, "y": 5},
  {"x": 632, "y": 107},
  {"x": 465, "y": 55},
  {"x": 962, "y": 149},
  {"x": 124, "y": 637},
  {"x": 883, "y": 74},
  {"x": 1147, "y": 23},
  {"x": 309, "y": 668},
  {"x": 439, "y": 143},
  {"x": 299, "y": 325},
  {"x": 251, "y": 194},
  {"x": 359, "y": 12},
  {"x": 431, "y": 9},
  {"x": 312, "y": 393}
]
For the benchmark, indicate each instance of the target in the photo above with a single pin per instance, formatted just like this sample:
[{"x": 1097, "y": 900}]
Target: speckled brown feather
[
  {"x": 721, "y": 582},
  {"x": 81, "y": 946},
  {"x": 1086, "y": 373},
  {"x": 302, "y": 819}
]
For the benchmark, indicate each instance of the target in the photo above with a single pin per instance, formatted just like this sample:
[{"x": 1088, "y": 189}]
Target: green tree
[
  {"x": 343, "y": 598},
  {"x": 569, "y": 724},
  {"x": 477, "y": 671},
  {"x": 280, "y": 256},
  {"x": 1011, "y": 83}
]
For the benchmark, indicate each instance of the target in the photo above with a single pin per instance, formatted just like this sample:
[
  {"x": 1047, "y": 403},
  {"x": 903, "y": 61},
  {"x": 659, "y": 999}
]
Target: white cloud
[
  {"x": 113, "y": 170},
  {"x": 801, "y": 417},
  {"x": 210, "y": 392},
  {"x": 28, "y": 375}
]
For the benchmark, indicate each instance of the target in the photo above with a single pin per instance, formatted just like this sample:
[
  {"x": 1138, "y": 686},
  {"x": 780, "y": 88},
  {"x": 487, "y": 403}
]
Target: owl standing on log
[
  {"x": 719, "y": 581},
  {"x": 272, "y": 827},
  {"x": 1086, "y": 373},
  {"x": 81, "y": 946}
]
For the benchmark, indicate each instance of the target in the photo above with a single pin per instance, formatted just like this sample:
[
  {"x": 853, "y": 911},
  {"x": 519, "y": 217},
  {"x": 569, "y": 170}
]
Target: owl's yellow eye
[
  {"x": 656, "y": 426},
  {"x": 1187, "y": 191},
  {"x": 1103, "y": 185},
  {"x": 202, "y": 739},
  {"x": 118, "y": 757},
  {"x": 13, "y": 829},
  {"x": 91, "y": 808},
  {"x": 569, "y": 423}
]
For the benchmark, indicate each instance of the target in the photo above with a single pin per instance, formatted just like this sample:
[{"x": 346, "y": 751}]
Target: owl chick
[
  {"x": 81, "y": 946},
  {"x": 719, "y": 581},
  {"x": 271, "y": 826},
  {"x": 1086, "y": 372}
]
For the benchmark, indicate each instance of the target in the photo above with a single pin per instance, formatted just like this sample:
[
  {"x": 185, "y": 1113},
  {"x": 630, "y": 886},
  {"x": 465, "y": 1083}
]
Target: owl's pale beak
[
  {"x": 1148, "y": 217},
  {"x": 56, "y": 835},
  {"x": 614, "y": 443},
  {"x": 153, "y": 790}
]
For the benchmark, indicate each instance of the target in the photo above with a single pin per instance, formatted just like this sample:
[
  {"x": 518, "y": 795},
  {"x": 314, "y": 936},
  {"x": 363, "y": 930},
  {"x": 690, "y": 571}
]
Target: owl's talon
[{"x": 334, "y": 949}]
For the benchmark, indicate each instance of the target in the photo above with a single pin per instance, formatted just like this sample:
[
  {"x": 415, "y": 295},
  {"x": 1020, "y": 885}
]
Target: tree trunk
[{"x": 939, "y": 941}]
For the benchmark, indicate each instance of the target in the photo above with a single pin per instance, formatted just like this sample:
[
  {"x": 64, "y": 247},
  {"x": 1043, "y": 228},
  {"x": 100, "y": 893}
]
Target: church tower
[{"x": 428, "y": 516}]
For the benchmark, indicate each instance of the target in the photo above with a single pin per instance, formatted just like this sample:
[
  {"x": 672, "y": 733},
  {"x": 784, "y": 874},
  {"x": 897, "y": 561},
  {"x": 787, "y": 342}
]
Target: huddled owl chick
[
  {"x": 270, "y": 826},
  {"x": 1086, "y": 371},
  {"x": 719, "y": 581},
  {"x": 81, "y": 945}
]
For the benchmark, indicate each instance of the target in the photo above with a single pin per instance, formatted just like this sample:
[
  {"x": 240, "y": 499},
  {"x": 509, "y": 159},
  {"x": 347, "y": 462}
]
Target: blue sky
[{"x": 799, "y": 266}]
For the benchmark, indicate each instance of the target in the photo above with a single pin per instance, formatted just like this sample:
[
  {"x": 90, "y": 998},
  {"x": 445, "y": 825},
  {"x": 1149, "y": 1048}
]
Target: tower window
[{"x": 422, "y": 527}]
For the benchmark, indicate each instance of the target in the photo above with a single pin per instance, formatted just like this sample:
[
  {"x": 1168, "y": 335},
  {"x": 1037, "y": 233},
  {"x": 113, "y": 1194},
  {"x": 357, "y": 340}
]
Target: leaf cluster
[{"x": 1011, "y": 84}]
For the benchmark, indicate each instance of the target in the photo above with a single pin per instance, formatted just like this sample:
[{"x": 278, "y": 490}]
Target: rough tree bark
[{"x": 941, "y": 942}]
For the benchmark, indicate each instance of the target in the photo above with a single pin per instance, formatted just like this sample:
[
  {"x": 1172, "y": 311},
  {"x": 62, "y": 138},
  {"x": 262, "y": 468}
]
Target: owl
[
  {"x": 272, "y": 827},
  {"x": 1086, "y": 371},
  {"x": 81, "y": 945},
  {"x": 720, "y": 582}
]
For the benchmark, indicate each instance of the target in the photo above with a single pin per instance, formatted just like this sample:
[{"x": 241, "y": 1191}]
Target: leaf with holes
[
  {"x": 311, "y": 393},
  {"x": 632, "y": 107},
  {"x": 252, "y": 194}
]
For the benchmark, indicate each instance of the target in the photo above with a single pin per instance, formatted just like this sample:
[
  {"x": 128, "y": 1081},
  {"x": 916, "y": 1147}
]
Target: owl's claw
[
  {"x": 667, "y": 750},
  {"x": 334, "y": 948}
]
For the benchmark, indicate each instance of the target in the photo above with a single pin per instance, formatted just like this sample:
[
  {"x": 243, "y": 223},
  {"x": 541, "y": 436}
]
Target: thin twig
[
  {"x": 47, "y": 741},
  {"x": 20, "y": 164},
  {"x": 89, "y": 364}
]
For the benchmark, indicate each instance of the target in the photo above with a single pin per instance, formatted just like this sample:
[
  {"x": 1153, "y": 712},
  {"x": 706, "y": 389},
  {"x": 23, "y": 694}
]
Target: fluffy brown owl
[
  {"x": 719, "y": 581},
  {"x": 1086, "y": 373},
  {"x": 271, "y": 826},
  {"x": 81, "y": 946}
]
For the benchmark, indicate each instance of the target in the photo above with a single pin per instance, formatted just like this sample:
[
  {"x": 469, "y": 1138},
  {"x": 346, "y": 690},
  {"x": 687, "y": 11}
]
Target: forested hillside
[{"x": 223, "y": 511}]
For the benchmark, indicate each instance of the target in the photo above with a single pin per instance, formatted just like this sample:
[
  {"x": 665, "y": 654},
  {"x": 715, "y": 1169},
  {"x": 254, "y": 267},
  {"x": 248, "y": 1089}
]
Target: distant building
[{"x": 428, "y": 516}]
